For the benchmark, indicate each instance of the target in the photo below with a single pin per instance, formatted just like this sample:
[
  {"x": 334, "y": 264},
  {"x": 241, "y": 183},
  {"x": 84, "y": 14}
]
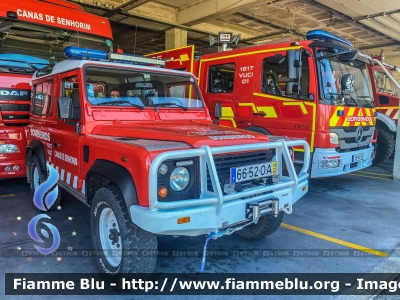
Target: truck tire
[
  {"x": 123, "y": 247},
  {"x": 37, "y": 178},
  {"x": 265, "y": 226},
  {"x": 384, "y": 146}
]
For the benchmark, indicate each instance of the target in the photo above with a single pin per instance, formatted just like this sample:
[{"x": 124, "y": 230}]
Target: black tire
[
  {"x": 42, "y": 178},
  {"x": 135, "y": 242},
  {"x": 267, "y": 225},
  {"x": 384, "y": 146}
]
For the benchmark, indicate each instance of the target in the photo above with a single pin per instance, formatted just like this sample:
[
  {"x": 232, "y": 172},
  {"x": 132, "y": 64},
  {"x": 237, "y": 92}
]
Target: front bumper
[
  {"x": 346, "y": 163},
  {"x": 12, "y": 173},
  {"x": 216, "y": 210}
]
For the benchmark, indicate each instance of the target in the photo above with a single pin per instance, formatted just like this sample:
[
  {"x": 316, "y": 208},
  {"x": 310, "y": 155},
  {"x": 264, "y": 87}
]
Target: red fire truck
[
  {"x": 387, "y": 97},
  {"x": 33, "y": 34},
  {"x": 137, "y": 144},
  {"x": 317, "y": 90}
]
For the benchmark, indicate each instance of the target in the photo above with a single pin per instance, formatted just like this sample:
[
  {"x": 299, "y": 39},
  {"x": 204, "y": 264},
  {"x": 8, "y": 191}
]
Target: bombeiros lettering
[{"x": 40, "y": 134}]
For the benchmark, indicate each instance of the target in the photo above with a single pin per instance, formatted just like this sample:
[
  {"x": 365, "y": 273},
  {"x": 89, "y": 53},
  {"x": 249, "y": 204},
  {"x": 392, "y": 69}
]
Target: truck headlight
[
  {"x": 334, "y": 138},
  {"x": 180, "y": 178},
  {"x": 8, "y": 148}
]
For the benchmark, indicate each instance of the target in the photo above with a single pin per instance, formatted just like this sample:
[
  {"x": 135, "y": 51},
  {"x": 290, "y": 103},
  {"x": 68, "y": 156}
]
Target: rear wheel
[
  {"x": 123, "y": 247},
  {"x": 384, "y": 146},
  {"x": 267, "y": 225}
]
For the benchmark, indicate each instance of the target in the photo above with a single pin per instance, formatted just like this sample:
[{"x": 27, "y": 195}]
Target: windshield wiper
[
  {"x": 368, "y": 103},
  {"x": 122, "y": 102},
  {"x": 351, "y": 98},
  {"x": 168, "y": 104}
]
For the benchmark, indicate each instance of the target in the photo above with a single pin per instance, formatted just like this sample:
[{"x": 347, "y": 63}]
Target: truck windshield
[
  {"x": 383, "y": 83},
  {"x": 123, "y": 87},
  {"x": 45, "y": 42},
  {"x": 330, "y": 72}
]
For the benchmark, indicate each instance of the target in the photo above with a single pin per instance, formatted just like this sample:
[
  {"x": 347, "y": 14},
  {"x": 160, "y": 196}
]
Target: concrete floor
[{"x": 361, "y": 208}]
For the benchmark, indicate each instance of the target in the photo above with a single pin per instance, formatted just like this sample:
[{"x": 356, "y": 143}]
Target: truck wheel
[
  {"x": 123, "y": 246},
  {"x": 384, "y": 146},
  {"x": 37, "y": 178},
  {"x": 265, "y": 226}
]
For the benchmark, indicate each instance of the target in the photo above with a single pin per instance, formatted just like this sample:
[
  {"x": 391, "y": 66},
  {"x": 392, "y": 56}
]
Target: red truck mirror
[
  {"x": 217, "y": 112},
  {"x": 294, "y": 64}
]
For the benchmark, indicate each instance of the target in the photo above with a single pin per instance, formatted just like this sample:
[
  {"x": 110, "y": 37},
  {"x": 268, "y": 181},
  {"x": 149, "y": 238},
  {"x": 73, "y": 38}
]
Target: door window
[
  {"x": 221, "y": 78},
  {"x": 42, "y": 98}
]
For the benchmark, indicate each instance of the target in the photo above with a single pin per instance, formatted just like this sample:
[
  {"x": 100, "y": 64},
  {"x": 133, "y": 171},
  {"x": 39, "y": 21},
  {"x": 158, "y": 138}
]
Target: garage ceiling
[{"x": 139, "y": 25}]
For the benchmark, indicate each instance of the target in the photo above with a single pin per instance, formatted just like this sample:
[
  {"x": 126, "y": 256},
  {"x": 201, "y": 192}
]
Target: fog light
[
  {"x": 163, "y": 169},
  {"x": 16, "y": 168},
  {"x": 7, "y": 169},
  {"x": 162, "y": 192},
  {"x": 329, "y": 163}
]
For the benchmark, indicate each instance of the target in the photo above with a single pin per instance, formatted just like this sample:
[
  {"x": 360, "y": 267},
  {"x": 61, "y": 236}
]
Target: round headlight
[{"x": 179, "y": 179}]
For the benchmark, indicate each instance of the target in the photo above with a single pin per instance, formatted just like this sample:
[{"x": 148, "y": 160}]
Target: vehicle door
[
  {"x": 282, "y": 108},
  {"x": 67, "y": 146}
]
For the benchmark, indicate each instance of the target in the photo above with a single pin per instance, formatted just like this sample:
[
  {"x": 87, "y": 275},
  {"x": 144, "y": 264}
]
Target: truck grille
[
  {"x": 15, "y": 109},
  {"x": 224, "y": 163},
  {"x": 347, "y": 137}
]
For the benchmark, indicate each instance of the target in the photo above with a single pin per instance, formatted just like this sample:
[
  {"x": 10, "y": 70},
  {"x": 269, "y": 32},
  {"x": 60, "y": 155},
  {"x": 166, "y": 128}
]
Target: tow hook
[{"x": 214, "y": 235}]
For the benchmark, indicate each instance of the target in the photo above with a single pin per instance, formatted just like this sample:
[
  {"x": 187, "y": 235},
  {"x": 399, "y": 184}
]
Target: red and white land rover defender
[{"x": 137, "y": 145}]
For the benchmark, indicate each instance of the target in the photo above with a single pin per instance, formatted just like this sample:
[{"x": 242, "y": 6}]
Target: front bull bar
[{"x": 205, "y": 153}]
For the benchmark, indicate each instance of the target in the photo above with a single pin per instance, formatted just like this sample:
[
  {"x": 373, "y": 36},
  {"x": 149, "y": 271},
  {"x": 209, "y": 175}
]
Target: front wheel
[
  {"x": 384, "y": 146},
  {"x": 122, "y": 247},
  {"x": 267, "y": 225}
]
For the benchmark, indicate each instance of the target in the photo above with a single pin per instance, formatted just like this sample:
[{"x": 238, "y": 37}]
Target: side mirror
[
  {"x": 347, "y": 82},
  {"x": 217, "y": 112},
  {"x": 291, "y": 88},
  {"x": 294, "y": 64},
  {"x": 64, "y": 108}
]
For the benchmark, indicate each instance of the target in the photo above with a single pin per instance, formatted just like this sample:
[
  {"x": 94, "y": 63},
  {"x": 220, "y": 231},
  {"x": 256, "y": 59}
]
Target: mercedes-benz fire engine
[
  {"x": 317, "y": 90},
  {"x": 387, "y": 99}
]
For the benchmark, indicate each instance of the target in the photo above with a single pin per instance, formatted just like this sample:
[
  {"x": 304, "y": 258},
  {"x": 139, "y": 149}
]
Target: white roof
[{"x": 72, "y": 64}]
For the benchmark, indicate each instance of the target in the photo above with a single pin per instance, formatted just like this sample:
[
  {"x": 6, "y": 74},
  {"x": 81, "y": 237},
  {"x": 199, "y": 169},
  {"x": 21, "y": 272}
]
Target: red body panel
[
  {"x": 60, "y": 14},
  {"x": 387, "y": 103}
]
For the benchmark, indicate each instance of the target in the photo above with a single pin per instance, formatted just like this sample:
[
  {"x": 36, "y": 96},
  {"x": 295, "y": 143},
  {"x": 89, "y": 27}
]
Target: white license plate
[
  {"x": 239, "y": 174},
  {"x": 357, "y": 157}
]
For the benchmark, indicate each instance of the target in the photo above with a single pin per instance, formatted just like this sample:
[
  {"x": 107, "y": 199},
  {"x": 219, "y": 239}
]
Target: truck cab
[
  {"x": 387, "y": 97},
  {"x": 317, "y": 90},
  {"x": 15, "y": 98},
  {"x": 136, "y": 143}
]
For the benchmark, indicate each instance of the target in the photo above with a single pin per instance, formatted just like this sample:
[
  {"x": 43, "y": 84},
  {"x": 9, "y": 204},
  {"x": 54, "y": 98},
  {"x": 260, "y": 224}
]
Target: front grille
[
  {"x": 353, "y": 139},
  {"x": 14, "y": 114},
  {"x": 224, "y": 163},
  {"x": 354, "y": 128}
]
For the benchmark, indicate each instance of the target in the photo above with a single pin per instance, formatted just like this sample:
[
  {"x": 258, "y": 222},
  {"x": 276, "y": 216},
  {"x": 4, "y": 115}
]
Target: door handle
[
  {"x": 260, "y": 113},
  {"x": 56, "y": 145}
]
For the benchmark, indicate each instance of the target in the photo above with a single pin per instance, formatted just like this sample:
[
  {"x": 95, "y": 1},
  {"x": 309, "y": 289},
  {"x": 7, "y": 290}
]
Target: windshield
[
  {"x": 45, "y": 42},
  {"x": 383, "y": 83},
  {"x": 331, "y": 70},
  {"x": 117, "y": 87}
]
